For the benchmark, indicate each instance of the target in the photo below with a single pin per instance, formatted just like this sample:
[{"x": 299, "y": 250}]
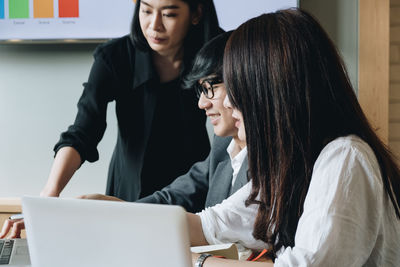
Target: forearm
[
  {"x": 66, "y": 162},
  {"x": 192, "y": 199},
  {"x": 188, "y": 190},
  {"x": 196, "y": 234}
]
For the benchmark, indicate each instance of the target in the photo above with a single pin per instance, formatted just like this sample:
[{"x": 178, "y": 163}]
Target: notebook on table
[{"x": 75, "y": 232}]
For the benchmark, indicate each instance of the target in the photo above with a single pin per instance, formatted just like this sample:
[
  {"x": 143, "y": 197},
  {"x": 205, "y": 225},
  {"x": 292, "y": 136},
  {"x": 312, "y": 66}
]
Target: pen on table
[{"x": 16, "y": 217}]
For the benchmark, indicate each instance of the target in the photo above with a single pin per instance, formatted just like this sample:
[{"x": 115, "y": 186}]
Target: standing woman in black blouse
[{"x": 161, "y": 132}]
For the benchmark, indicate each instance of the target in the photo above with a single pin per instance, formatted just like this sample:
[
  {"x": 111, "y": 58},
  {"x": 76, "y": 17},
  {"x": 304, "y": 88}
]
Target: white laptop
[{"x": 75, "y": 232}]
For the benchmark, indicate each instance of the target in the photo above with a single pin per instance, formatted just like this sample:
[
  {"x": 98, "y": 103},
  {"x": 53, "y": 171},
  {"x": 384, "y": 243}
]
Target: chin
[
  {"x": 216, "y": 132},
  {"x": 219, "y": 132}
]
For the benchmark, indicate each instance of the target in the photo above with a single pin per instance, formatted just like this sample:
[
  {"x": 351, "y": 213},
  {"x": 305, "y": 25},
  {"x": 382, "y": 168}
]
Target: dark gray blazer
[{"x": 207, "y": 183}]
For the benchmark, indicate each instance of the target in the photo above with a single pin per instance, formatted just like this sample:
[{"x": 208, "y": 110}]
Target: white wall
[
  {"x": 340, "y": 19},
  {"x": 39, "y": 89},
  {"x": 240, "y": 11}
]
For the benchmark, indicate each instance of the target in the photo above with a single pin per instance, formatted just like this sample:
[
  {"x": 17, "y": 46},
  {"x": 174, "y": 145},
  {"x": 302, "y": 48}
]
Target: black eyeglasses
[{"x": 207, "y": 87}]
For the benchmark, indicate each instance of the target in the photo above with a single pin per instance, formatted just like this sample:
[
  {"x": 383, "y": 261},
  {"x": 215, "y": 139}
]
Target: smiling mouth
[{"x": 213, "y": 116}]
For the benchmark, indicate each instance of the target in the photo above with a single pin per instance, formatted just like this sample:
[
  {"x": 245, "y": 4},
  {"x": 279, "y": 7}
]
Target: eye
[
  {"x": 170, "y": 15},
  {"x": 145, "y": 11}
]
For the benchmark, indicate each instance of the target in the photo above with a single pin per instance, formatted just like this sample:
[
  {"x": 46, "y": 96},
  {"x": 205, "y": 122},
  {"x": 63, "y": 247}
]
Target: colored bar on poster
[
  {"x": 18, "y": 9},
  {"x": 1, "y": 9},
  {"x": 68, "y": 8},
  {"x": 43, "y": 8}
]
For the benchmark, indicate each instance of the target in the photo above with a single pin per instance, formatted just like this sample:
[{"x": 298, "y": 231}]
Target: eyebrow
[{"x": 162, "y": 8}]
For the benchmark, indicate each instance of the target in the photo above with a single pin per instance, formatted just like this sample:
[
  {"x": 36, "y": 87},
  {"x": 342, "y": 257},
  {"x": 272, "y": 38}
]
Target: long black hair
[{"x": 285, "y": 75}]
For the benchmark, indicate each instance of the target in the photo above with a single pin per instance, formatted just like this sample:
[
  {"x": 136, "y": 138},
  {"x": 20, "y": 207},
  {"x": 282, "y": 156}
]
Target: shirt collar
[
  {"x": 143, "y": 69},
  {"x": 237, "y": 160}
]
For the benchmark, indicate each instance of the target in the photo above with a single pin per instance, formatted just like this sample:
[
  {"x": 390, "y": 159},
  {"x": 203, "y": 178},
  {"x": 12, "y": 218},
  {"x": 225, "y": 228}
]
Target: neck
[
  {"x": 171, "y": 56},
  {"x": 168, "y": 65}
]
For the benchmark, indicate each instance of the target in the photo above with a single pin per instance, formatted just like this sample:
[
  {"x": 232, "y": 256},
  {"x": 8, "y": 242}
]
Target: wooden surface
[
  {"x": 373, "y": 91},
  {"x": 11, "y": 205},
  {"x": 394, "y": 91},
  {"x": 8, "y": 207}
]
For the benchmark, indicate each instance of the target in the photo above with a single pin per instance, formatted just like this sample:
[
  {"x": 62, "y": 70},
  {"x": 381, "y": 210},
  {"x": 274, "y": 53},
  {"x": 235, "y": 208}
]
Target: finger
[
  {"x": 6, "y": 228},
  {"x": 16, "y": 229},
  {"x": 116, "y": 199},
  {"x": 87, "y": 196},
  {"x": 94, "y": 196}
]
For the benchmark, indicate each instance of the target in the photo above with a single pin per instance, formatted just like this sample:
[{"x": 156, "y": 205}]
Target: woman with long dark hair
[{"x": 324, "y": 190}]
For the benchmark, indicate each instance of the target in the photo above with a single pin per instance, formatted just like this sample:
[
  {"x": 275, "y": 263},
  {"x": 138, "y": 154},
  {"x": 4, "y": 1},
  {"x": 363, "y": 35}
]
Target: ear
[{"x": 196, "y": 16}]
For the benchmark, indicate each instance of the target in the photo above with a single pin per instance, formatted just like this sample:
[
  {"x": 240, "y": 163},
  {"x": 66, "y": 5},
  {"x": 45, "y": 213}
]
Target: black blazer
[
  {"x": 206, "y": 184},
  {"x": 124, "y": 74}
]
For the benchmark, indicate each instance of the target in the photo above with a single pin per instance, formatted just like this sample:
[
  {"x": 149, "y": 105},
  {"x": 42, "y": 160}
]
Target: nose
[
  {"x": 204, "y": 103},
  {"x": 227, "y": 103},
  {"x": 156, "y": 22}
]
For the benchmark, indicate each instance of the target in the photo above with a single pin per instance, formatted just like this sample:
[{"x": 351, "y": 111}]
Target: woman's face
[
  {"x": 238, "y": 117},
  {"x": 165, "y": 23}
]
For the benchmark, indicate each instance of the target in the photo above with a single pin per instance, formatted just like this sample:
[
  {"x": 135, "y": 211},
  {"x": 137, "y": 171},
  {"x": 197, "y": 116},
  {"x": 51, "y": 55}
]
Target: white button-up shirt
[{"x": 348, "y": 219}]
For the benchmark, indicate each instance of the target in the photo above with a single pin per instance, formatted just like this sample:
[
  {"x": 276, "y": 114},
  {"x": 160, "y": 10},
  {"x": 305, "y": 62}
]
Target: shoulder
[
  {"x": 345, "y": 148},
  {"x": 118, "y": 56},
  {"x": 349, "y": 141},
  {"x": 346, "y": 164},
  {"x": 115, "y": 50}
]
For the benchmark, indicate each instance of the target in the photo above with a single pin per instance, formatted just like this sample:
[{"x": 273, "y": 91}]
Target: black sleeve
[
  {"x": 189, "y": 190},
  {"x": 90, "y": 122}
]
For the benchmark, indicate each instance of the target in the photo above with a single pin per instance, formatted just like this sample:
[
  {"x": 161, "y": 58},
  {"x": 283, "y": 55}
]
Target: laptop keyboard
[{"x": 6, "y": 247}]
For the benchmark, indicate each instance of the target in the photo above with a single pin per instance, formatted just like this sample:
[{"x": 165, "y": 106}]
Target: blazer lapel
[
  {"x": 220, "y": 186},
  {"x": 146, "y": 77},
  {"x": 241, "y": 178}
]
